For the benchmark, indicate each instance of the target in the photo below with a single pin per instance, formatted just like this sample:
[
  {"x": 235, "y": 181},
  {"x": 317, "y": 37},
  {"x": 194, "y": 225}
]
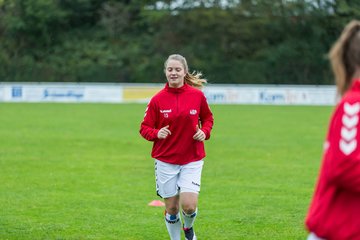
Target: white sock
[
  {"x": 173, "y": 225},
  {"x": 189, "y": 218}
]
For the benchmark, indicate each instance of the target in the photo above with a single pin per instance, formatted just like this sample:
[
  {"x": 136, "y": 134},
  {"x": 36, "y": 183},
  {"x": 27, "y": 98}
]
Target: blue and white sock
[
  {"x": 189, "y": 219},
  {"x": 173, "y": 225}
]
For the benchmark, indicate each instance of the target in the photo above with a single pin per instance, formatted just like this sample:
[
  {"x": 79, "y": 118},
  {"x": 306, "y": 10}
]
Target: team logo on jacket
[
  {"x": 193, "y": 112},
  {"x": 348, "y": 133}
]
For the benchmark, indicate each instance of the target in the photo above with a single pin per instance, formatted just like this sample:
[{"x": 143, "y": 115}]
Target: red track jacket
[
  {"x": 334, "y": 213},
  {"x": 182, "y": 109}
]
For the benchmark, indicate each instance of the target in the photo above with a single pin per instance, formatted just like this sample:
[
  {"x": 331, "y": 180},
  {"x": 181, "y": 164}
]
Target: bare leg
[
  {"x": 172, "y": 205},
  {"x": 189, "y": 202}
]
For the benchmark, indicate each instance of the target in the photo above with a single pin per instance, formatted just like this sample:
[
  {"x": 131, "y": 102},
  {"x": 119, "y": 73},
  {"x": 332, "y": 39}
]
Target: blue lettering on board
[
  {"x": 266, "y": 97},
  {"x": 16, "y": 92},
  {"x": 63, "y": 93}
]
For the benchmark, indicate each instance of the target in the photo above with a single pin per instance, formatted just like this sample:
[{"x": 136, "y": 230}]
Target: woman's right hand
[{"x": 164, "y": 132}]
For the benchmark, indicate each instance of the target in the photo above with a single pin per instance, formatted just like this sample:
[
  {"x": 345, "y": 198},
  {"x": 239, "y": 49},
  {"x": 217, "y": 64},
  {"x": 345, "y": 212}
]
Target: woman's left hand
[{"x": 199, "y": 135}]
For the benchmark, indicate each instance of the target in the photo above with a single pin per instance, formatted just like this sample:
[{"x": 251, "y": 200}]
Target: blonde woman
[
  {"x": 334, "y": 213},
  {"x": 178, "y": 120}
]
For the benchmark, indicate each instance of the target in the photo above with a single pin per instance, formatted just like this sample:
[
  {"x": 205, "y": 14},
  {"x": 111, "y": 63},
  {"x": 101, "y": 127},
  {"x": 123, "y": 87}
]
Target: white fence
[{"x": 141, "y": 93}]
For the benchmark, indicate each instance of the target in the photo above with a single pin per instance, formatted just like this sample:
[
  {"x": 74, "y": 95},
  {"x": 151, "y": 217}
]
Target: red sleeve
[
  {"x": 147, "y": 127},
  {"x": 343, "y": 156},
  {"x": 206, "y": 117}
]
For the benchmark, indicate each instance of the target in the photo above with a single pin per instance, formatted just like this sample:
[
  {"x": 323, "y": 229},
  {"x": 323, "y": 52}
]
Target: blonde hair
[
  {"x": 345, "y": 56},
  {"x": 193, "y": 79}
]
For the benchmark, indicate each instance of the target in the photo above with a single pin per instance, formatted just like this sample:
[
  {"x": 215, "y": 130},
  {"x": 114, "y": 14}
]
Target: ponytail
[
  {"x": 345, "y": 56},
  {"x": 194, "y": 79}
]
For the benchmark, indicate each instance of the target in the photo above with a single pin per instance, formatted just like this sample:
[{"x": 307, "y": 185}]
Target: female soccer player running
[{"x": 178, "y": 120}]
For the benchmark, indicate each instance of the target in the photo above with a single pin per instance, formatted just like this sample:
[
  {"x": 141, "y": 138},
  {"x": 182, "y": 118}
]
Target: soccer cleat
[{"x": 189, "y": 234}]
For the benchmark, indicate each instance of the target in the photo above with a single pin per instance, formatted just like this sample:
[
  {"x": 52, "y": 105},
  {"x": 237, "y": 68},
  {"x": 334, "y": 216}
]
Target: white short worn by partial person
[
  {"x": 312, "y": 236},
  {"x": 172, "y": 179}
]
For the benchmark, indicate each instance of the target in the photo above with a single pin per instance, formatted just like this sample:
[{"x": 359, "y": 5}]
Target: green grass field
[{"x": 82, "y": 171}]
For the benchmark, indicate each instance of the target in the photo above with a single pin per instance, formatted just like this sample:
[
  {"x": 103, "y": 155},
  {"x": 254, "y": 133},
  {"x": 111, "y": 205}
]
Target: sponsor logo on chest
[{"x": 165, "y": 112}]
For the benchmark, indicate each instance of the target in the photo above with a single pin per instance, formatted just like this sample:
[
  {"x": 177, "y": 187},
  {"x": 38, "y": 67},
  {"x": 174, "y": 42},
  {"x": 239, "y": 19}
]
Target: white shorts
[
  {"x": 172, "y": 179},
  {"x": 312, "y": 236}
]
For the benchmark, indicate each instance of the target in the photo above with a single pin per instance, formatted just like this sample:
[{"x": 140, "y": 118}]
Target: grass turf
[{"x": 82, "y": 171}]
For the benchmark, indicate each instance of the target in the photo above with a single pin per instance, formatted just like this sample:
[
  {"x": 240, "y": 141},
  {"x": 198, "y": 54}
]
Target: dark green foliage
[{"x": 276, "y": 42}]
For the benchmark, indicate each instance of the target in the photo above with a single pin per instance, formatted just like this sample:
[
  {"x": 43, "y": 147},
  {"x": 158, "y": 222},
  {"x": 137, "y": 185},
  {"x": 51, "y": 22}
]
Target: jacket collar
[
  {"x": 176, "y": 90},
  {"x": 355, "y": 86}
]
